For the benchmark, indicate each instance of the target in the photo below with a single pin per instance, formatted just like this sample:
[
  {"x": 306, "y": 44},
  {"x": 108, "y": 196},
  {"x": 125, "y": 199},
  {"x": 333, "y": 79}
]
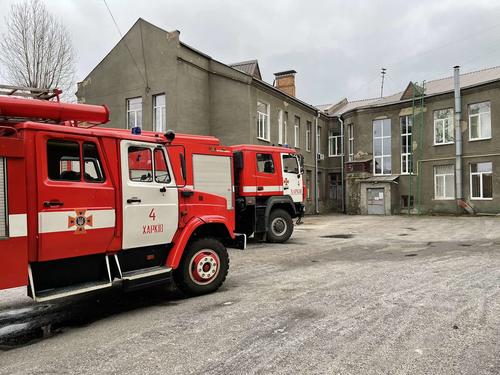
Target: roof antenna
[{"x": 383, "y": 72}]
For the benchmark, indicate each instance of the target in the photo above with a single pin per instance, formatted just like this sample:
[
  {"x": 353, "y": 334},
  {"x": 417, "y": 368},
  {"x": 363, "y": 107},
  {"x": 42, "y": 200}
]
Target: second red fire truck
[{"x": 81, "y": 208}]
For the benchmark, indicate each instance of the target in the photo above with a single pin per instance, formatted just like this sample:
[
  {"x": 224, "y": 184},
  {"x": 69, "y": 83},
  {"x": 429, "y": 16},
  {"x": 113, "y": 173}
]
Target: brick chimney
[{"x": 285, "y": 81}]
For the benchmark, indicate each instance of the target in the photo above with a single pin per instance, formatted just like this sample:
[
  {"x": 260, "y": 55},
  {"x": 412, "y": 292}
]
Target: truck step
[
  {"x": 50, "y": 294},
  {"x": 143, "y": 278},
  {"x": 146, "y": 272}
]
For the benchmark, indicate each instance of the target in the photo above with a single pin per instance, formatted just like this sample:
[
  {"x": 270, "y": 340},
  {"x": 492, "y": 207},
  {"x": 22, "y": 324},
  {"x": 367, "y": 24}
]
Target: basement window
[{"x": 407, "y": 201}]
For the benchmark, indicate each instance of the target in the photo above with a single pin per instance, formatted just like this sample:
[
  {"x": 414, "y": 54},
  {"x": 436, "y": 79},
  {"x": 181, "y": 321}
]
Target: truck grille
[{"x": 3, "y": 198}]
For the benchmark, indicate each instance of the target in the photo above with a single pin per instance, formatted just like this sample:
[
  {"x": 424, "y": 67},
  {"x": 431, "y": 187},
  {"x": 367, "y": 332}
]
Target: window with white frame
[
  {"x": 296, "y": 132},
  {"x": 481, "y": 180},
  {"x": 382, "y": 160},
  {"x": 285, "y": 128},
  {"x": 350, "y": 142},
  {"x": 406, "y": 144},
  {"x": 318, "y": 140},
  {"x": 334, "y": 143},
  {"x": 443, "y": 126},
  {"x": 134, "y": 112},
  {"x": 263, "y": 121},
  {"x": 479, "y": 121},
  {"x": 444, "y": 181},
  {"x": 159, "y": 113},
  {"x": 280, "y": 126},
  {"x": 308, "y": 135}
]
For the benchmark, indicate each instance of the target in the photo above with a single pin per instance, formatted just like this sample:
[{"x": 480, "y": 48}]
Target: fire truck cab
[
  {"x": 81, "y": 208},
  {"x": 270, "y": 191}
]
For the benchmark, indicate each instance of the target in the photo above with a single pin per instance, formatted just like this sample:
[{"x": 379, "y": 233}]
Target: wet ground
[{"x": 348, "y": 295}]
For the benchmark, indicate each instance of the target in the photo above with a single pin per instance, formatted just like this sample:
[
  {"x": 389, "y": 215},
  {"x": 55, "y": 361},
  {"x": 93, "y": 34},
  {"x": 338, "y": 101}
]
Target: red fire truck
[
  {"x": 269, "y": 191},
  {"x": 82, "y": 207}
]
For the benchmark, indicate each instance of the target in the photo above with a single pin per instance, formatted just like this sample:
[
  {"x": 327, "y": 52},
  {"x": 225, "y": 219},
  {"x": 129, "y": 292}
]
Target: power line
[{"x": 125, "y": 42}]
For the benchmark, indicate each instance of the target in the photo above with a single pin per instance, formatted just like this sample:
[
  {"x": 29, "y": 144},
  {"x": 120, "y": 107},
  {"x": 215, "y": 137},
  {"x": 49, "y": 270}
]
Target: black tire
[
  {"x": 185, "y": 276},
  {"x": 280, "y": 226}
]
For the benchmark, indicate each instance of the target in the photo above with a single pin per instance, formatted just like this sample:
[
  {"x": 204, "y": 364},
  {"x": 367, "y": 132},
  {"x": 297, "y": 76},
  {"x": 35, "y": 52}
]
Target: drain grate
[{"x": 338, "y": 236}]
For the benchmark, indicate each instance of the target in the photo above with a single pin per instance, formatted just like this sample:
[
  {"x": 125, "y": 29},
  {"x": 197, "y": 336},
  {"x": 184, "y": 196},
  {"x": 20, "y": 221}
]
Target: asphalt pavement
[{"x": 346, "y": 295}]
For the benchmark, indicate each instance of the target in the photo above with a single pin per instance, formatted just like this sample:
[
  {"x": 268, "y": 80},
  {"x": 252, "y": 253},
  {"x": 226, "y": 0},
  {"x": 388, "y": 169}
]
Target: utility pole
[{"x": 383, "y": 73}]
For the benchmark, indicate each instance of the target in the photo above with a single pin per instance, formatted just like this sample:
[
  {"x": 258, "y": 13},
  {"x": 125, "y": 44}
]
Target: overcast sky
[{"x": 337, "y": 47}]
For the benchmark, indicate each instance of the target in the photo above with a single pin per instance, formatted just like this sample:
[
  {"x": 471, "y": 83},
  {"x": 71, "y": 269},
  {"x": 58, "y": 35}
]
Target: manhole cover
[{"x": 338, "y": 236}]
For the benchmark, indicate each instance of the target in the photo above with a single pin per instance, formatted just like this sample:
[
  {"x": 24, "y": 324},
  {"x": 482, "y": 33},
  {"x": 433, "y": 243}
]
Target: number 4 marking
[{"x": 152, "y": 214}]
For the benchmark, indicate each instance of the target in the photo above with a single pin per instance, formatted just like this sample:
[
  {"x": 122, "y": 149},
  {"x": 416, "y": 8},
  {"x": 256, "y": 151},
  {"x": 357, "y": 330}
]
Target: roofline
[{"x": 425, "y": 96}]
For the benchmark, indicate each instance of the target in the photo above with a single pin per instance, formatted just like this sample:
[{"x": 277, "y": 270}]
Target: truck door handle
[
  {"x": 286, "y": 188},
  {"x": 260, "y": 188},
  {"x": 134, "y": 200},
  {"x": 53, "y": 203}
]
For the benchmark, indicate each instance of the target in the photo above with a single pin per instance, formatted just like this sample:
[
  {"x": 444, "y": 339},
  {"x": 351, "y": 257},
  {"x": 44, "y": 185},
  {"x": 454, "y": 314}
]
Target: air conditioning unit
[{"x": 321, "y": 156}]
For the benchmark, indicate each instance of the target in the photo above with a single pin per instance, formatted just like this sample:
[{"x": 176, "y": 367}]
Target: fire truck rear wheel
[
  {"x": 280, "y": 226},
  {"x": 203, "y": 268}
]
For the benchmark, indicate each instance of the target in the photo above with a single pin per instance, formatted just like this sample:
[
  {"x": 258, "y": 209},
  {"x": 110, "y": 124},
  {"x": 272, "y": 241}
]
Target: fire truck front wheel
[
  {"x": 280, "y": 226},
  {"x": 203, "y": 268}
]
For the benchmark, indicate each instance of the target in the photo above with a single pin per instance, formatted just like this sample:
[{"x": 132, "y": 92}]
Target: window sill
[
  {"x": 443, "y": 199},
  {"x": 334, "y": 156},
  {"x": 479, "y": 139},
  {"x": 444, "y": 144},
  {"x": 481, "y": 199},
  {"x": 263, "y": 139}
]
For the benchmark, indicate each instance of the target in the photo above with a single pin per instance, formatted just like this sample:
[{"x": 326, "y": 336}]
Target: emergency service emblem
[
  {"x": 80, "y": 221},
  {"x": 286, "y": 182}
]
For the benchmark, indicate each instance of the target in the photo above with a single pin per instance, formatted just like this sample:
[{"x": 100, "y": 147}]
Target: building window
[
  {"x": 296, "y": 132},
  {"x": 318, "y": 140},
  {"x": 263, "y": 121},
  {"x": 481, "y": 180},
  {"x": 443, "y": 126},
  {"x": 350, "y": 143},
  {"x": 265, "y": 163},
  {"x": 382, "y": 161},
  {"x": 406, "y": 144},
  {"x": 308, "y": 135},
  {"x": 285, "y": 128},
  {"x": 479, "y": 121},
  {"x": 334, "y": 144},
  {"x": 444, "y": 181},
  {"x": 134, "y": 112},
  {"x": 159, "y": 113},
  {"x": 407, "y": 201},
  {"x": 280, "y": 127}
]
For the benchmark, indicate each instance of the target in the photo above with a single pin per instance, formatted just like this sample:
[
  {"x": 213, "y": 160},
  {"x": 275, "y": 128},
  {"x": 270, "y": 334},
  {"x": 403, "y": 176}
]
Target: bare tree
[{"x": 36, "y": 49}]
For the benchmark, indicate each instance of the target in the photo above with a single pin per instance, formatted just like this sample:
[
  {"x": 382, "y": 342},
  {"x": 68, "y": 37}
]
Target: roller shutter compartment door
[{"x": 3, "y": 199}]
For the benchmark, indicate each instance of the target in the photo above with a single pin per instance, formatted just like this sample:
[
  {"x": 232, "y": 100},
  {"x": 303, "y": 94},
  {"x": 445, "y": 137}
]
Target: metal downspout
[
  {"x": 458, "y": 138},
  {"x": 342, "y": 162},
  {"x": 316, "y": 198}
]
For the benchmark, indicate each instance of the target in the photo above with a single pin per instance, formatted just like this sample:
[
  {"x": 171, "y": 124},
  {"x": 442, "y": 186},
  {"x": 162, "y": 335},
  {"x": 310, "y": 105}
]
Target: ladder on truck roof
[
  {"x": 27, "y": 103},
  {"x": 30, "y": 92}
]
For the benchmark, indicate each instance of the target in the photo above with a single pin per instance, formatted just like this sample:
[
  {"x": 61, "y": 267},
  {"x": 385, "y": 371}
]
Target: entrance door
[
  {"x": 150, "y": 196},
  {"x": 292, "y": 179},
  {"x": 375, "y": 201}
]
